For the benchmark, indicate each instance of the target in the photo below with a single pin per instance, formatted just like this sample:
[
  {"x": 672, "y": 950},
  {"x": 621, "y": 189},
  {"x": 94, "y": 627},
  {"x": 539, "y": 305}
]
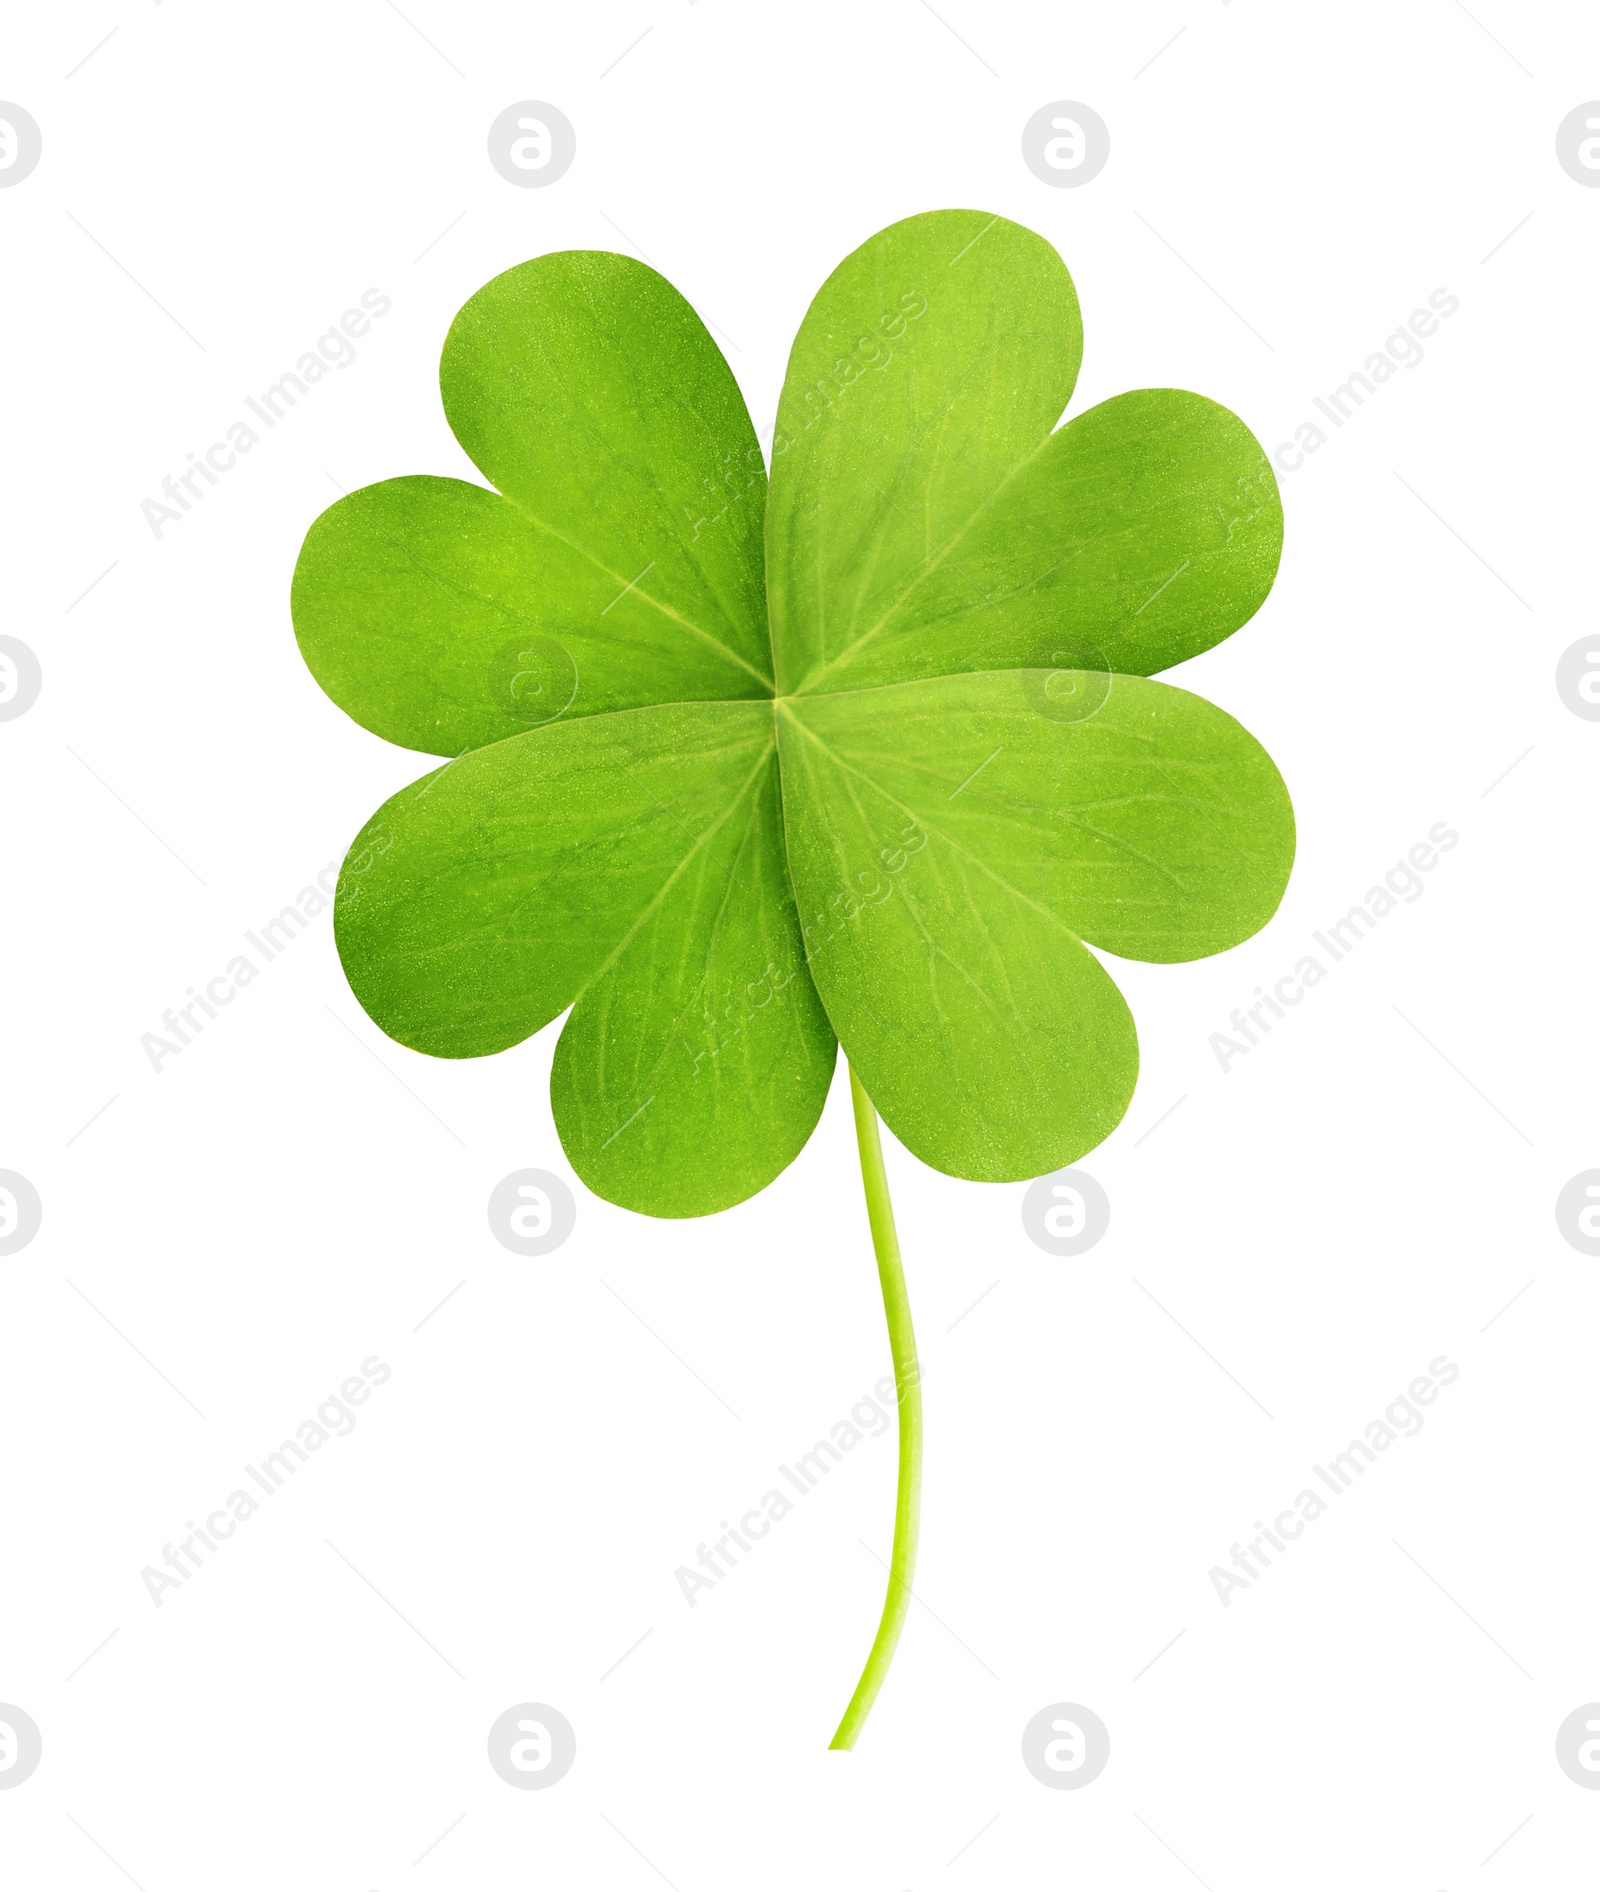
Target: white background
[{"x": 1286, "y": 185}]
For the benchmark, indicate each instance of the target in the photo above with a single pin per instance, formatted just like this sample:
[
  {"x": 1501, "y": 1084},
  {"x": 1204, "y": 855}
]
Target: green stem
[{"x": 908, "y": 1385}]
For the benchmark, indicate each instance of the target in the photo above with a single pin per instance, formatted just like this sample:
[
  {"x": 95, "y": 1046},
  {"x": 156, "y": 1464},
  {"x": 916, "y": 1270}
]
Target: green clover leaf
[{"x": 870, "y": 756}]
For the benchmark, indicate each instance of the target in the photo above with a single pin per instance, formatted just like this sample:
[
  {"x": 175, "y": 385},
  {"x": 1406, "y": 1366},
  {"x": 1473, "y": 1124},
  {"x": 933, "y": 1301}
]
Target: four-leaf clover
[{"x": 867, "y": 755}]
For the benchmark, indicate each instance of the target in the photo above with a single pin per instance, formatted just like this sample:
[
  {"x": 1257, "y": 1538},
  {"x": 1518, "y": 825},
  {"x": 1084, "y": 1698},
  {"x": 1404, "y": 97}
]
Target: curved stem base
[{"x": 908, "y": 1388}]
